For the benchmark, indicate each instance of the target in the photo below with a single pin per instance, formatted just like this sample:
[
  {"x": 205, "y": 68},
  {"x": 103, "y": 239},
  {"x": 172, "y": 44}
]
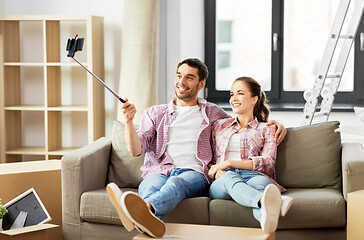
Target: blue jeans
[
  {"x": 244, "y": 186},
  {"x": 165, "y": 192}
]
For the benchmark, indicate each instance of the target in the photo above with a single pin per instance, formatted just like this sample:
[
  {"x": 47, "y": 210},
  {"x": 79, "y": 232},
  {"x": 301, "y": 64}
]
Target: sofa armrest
[
  {"x": 352, "y": 167},
  {"x": 83, "y": 170}
]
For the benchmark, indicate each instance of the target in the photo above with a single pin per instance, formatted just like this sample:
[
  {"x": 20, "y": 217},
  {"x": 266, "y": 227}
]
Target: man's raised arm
[{"x": 131, "y": 136}]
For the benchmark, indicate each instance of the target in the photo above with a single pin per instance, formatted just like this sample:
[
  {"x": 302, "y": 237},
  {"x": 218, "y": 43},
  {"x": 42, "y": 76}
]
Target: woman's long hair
[{"x": 261, "y": 109}]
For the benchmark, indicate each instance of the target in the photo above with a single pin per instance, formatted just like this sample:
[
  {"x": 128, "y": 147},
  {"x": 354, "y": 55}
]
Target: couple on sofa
[{"x": 191, "y": 143}]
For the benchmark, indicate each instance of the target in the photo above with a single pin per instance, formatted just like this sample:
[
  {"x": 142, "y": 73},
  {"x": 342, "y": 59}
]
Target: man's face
[{"x": 187, "y": 84}]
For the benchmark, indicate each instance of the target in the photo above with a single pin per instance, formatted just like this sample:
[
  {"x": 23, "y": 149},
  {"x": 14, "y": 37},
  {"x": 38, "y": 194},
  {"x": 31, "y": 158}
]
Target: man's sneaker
[
  {"x": 138, "y": 212},
  {"x": 114, "y": 193},
  {"x": 271, "y": 208},
  {"x": 286, "y": 205}
]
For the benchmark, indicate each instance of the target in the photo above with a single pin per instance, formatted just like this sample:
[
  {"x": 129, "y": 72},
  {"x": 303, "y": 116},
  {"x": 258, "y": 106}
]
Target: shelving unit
[{"x": 49, "y": 105}]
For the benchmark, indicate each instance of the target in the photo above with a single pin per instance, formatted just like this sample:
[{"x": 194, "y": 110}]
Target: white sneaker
[
  {"x": 114, "y": 193},
  {"x": 138, "y": 212},
  {"x": 286, "y": 205},
  {"x": 270, "y": 208}
]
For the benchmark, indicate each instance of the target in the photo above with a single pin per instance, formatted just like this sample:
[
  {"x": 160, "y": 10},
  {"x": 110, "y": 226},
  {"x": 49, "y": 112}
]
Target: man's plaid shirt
[{"x": 153, "y": 134}]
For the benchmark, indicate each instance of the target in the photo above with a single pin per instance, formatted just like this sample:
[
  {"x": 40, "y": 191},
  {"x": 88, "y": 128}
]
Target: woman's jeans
[
  {"x": 165, "y": 192},
  {"x": 244, "y": 186}
]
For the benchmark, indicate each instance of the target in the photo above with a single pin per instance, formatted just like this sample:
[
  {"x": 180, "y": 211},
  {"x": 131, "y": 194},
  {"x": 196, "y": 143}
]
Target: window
[
  {"x": 223, "y": 47},
  {"x": 280, "y": 44}
]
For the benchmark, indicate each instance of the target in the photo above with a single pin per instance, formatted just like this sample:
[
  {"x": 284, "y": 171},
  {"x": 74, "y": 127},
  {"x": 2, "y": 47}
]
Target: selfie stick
[{"x": 75, "y": 44}]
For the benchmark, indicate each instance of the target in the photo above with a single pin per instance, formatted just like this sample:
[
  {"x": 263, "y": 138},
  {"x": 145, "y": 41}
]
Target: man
[{"x": 176, "y": 139}]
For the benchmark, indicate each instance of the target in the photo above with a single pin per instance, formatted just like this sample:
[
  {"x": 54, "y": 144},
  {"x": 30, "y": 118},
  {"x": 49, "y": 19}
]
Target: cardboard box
[
  {"x": 36, "y": 232},
  {"x": 45, "y": 178},
  {"x": 193, "y": 231},
  {"x": 355, "y": 220}
]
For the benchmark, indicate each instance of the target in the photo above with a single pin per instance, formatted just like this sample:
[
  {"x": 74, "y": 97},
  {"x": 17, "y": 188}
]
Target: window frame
[{"x": 277, "y": 96}]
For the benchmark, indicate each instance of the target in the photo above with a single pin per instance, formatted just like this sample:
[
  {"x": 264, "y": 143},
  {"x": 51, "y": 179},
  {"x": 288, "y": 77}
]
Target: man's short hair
[{"x": 203, "y": 71}]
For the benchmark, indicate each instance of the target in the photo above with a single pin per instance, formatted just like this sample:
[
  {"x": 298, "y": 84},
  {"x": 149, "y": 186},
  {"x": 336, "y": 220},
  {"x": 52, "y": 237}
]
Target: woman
[{"x": 245, "y": 152}]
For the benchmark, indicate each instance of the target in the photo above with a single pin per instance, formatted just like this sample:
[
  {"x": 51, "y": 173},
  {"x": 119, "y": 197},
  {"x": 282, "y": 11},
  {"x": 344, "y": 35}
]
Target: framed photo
[{"x": 30, "y": 203}]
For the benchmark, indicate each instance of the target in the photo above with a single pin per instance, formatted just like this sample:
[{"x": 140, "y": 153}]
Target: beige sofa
[{"x": 317, "y": 170}]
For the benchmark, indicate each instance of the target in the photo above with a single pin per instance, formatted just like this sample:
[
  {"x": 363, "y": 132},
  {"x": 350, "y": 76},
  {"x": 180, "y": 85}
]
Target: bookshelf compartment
[
  {"x": 33, "y": 133},
  {"x": 55, "y": 157},
  {"x": 32, "y": 78},
  {"x": 70, "y": 29},
  {"x": 11, "y": 42},
  {"x": 67, "y": 87},
  {"x": 17, "y": 82},
  {"x": 67, "y": 131},
  {"x": 31, "y": 41},
  {"x": 23, "y": 41},
  {"x": 11, "y": 83},
  {"x": 52, "y": 33},
  {"x": 33, "y": 158},
  {"x": 11, "y": 158},
  {"x": 25, "y": 132}
]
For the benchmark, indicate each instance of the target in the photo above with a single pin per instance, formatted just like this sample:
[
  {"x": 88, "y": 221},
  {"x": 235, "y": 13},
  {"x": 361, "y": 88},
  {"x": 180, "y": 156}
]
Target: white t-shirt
[
  {"x": 233, "y": 148},
  {"x": 182, "y": 138}
]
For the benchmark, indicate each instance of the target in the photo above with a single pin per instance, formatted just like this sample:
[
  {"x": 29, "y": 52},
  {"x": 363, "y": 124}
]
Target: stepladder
[{"x": 330, "y": 71}]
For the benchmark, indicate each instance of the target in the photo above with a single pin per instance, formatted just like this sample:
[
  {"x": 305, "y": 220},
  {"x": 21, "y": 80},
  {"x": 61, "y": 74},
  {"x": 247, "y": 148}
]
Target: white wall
[
  {"x": 293, "y": 119},
  {"x": 182, "y": 36},
  {"x": 1, "y": 6}
]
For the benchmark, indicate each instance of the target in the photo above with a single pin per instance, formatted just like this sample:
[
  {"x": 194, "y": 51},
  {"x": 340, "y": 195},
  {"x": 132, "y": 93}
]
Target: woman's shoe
[
  {"x": 271, "y": 202},
  {"x": 286, "y": 205}
]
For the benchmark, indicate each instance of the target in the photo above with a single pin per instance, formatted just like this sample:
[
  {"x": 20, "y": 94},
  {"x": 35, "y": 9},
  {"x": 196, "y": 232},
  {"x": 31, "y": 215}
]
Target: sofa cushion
[
  {"x": 191, "y": 211},
  {"x": 310, "y": 157},
  {"x": 315, "y": 208},
  {"x": 96, "y": 207},
  {"x": 312, "y": 208},
  {"x": 124, "y": 169}
]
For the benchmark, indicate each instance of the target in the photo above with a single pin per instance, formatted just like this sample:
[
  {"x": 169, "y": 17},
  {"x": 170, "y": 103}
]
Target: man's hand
[
  {"x": 128, "y": 110},
  {"x": 281, "y": 131}
]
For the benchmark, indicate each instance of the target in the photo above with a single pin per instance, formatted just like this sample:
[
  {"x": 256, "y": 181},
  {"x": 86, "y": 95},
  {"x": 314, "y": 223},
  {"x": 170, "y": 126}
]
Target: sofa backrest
[
  {"x": 124, "y": 169},
  {"x": 310, "y": 157}
]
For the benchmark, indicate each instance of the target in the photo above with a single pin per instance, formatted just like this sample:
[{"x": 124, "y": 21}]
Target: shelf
[
  {"x": 62, "y": 151},
  {"x": 41, "y": 64},
  {"x": 46, "y": 18},
  {"x": 66, "y": 64},
  {"x": 27, "y": 151},
  {"x": 25, "y": 108},
  {"x": 27, "y": 64},
  {"x": 76, "y": 108}
]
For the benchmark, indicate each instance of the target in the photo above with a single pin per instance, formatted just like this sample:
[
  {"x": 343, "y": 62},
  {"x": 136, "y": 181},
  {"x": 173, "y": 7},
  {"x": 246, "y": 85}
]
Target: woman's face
[{"x": 241, "y": 100}]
